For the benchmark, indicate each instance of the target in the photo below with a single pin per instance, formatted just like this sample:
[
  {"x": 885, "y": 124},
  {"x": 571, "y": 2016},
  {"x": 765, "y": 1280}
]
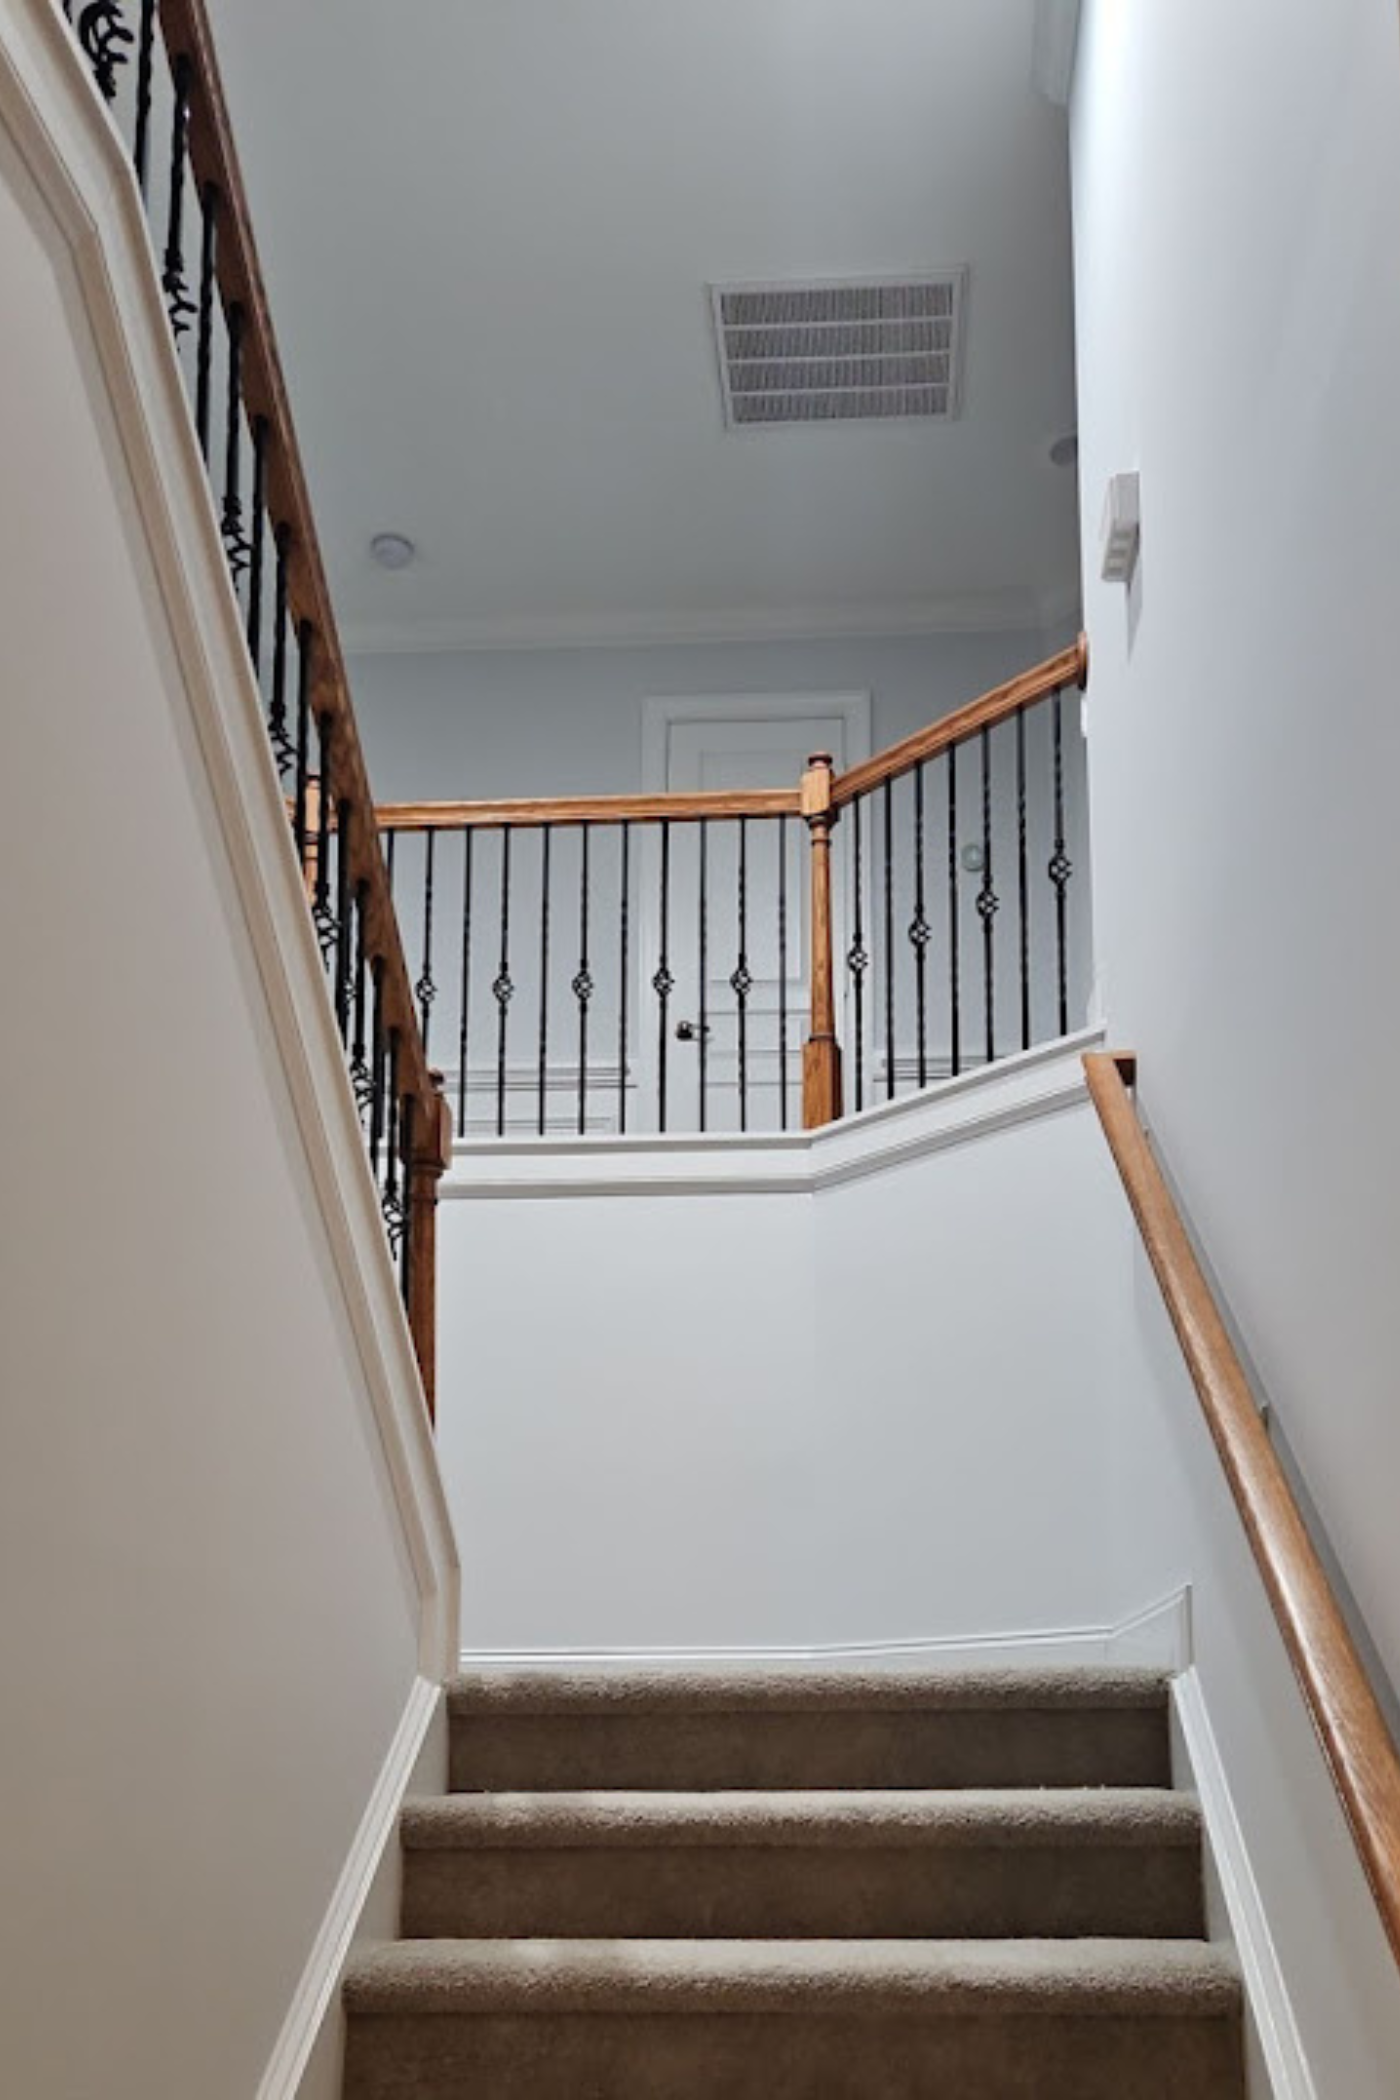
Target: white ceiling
[{"x": 488, "y": 227}]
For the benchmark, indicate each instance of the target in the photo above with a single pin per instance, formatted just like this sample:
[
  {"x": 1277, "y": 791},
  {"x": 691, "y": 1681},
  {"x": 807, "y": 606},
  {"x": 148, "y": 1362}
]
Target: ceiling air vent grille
[{"x": 866, "y": 350}]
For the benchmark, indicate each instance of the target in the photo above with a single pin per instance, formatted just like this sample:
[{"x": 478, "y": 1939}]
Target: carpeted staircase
[{"x": 975, "y": 1887}]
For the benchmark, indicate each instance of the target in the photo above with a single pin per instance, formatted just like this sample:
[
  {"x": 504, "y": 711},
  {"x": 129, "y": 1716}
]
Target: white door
[{"x": 737, "y": 1011}]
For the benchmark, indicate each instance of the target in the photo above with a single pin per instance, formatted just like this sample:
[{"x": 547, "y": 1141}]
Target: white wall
[
  {"x": 217, "y": 1566},
  {"x": 1237, "y": 194}
]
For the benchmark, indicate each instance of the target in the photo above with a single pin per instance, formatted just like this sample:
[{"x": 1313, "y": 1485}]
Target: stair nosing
[
  {"x": 613, "y": 1692},
  {"x": 1131, "y": 1818},
  {"x": 918, "y": 1978}
]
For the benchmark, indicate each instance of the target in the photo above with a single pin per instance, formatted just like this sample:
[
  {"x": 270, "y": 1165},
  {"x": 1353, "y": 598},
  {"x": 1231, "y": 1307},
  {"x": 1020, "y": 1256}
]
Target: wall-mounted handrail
[
  {"x": 1069, "y": 667},
  {"x": 1351, "y": 1728},
  {"x": 162, "y": 78}
]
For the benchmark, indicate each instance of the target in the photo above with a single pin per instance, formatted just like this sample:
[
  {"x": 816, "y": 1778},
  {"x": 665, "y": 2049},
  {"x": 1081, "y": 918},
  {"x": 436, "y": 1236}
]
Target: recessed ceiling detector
[
  {"x": 849, "y": 350},
  {"x": 392, "y": 550}
]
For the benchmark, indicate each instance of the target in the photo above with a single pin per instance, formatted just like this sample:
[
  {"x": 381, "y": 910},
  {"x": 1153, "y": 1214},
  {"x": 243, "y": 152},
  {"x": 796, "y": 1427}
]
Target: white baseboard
[
  {"x": 1157, "y": 1638},
  {"x": 1274, "y": 2031},
  {"x": 325, "y": 1966}
]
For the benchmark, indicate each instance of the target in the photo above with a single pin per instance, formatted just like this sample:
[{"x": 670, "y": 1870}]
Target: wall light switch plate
[{"x": 1122, "y": 528}]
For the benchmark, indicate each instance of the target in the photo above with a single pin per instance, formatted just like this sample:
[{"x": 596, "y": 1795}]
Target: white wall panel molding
[
  {"x": 88, "y": 213},
  {"x": 1150, "y": 1639},
  {"x": 1038, "y": 1083},
  {"x": 374, "y": 1848},
  {"x": 1275, "y": 2030}
]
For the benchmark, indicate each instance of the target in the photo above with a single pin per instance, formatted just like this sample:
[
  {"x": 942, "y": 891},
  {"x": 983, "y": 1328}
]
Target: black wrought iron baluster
[
  {"x": 303, "y": 734},
  {"x": 858, "y": 955},
  {"x": 344, "y": 932},
  {"x": 1061, "y": 868},
  {"x": 406, "y": 1235},
  {"x": 625, "y": 850},
  {"x": 920, "y": 932},
  {"x": 464, "y": 1014},
  {"x": 283, "y": 745},
  {"x": 741, "y": 983},
  {"x": 954, "y": 926},
  {"x": 702, "y": 1021},
  {"x": 231, "y": 520},
  {"x": 503, "y": 988},
  {"x": 425, "y": 991},
  {"x": 1022, "y": 883},
  {"x": 392, "y": 1202},
  {"x": 145, "y": 69},
  {"x": 583, "y": 986},
  {"x": 322, "y": 914},
  {"x": 204, "y": 330},
  {"x": 104, "y": 36},
  {"x": 257, "y": 507},
  {"x": 988, "y": 902},
  {"x": 359, "y": 1061},
  {"x": 782, "y": 977},
  {"x": 376, "y": 1067},
  {"x": 887, "y": 958},
  {"x": 663, "y": 983},
  {"x": 179, "y": 305},
  {"x": 546, "y": 831}
]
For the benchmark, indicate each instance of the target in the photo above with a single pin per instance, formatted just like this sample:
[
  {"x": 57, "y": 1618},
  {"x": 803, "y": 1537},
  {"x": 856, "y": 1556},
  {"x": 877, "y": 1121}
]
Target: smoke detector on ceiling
[{"x": 854, "y": 350}]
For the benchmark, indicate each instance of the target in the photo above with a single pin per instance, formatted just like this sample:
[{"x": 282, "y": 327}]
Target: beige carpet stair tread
[
  {"x": 800, "y": 1691},
  {"x": 930, "y": 1978},
  {"x": 955, "y": 1818}
]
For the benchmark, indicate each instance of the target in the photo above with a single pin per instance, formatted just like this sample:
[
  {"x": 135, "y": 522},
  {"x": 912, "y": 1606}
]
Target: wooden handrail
[
  {"x": 186, "y": 32},
  {"x": 590, "y": 809},
  {"x": 1070, "y": 667},
  {"x": 1356, "y": 1742}
]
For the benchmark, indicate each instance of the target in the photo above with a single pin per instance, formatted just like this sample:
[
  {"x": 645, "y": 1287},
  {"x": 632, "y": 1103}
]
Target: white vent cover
[{"x": 860, "y": 350}]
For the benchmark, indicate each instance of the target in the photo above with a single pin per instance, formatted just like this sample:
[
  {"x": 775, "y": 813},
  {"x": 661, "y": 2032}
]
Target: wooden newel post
[
  {"x": 821, "y": 1054},
  {"x": 432, "y": 1155}
]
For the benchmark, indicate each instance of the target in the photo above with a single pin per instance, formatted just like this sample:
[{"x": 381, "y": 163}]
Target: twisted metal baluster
[
  {"x": 583, "y": 989},
  {"x": 231, "y": 523},
  {"x": 256, "y": 505},
  {"x": 1022, "y": 880},
  {"x": 858, "y": 955},
  {"x": 145, "y": 68},
  {"x": 920, "y": 932},
  {"x": 625, "y": 850},
  {"x": 360, "y": 1078},
  {"x": 988, "y": 902},
  {"x": 954, "y": 927},
  {"x": 179, "y": 305},
  {"x": 782, "y": 976},
  {"x": 1060, "y": 869},
  {"x": 503, "y": 989},
  {"x": 663, "y": 983},
  {"x": 204, "y": 333},
  {"x": 542, "y": 1073},
  {"x": 104, "y": 36},
  {"x": 741, "y": 983},
  {"x": 425, "y": 991},
  {"x": 279, "y": 736},
  {"x": 464, "y": 1016}
]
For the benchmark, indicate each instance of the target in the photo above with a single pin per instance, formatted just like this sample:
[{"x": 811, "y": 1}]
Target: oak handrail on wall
[
  {"x": 818, "y": 802},
  {"x": 1356, "y": 1742}
]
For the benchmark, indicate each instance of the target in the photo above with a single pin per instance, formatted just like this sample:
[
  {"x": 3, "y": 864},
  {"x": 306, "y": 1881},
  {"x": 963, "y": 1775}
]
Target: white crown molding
[
  {"x": 88, "y": 212},
  {"x": 1127, "y": 1644},
  {"x": 957, "y": 1111},
  {"x": 1269, "y": 2006},
  {"x": 991, "y": 612}
]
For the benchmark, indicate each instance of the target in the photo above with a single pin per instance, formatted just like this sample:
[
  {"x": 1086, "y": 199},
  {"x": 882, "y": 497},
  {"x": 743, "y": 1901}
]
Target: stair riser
[
  {"x": 791, "y": 1892},
  {"x": 792, "y": 2057},
  {"x": 542, "y": 1753}
]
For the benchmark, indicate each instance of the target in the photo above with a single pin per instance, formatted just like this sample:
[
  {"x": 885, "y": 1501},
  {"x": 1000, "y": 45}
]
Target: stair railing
[
  {"x": 635, "y": 962},
  {"x": 1358, "y": 1747},
  {"x": 161, "y": 82}
]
